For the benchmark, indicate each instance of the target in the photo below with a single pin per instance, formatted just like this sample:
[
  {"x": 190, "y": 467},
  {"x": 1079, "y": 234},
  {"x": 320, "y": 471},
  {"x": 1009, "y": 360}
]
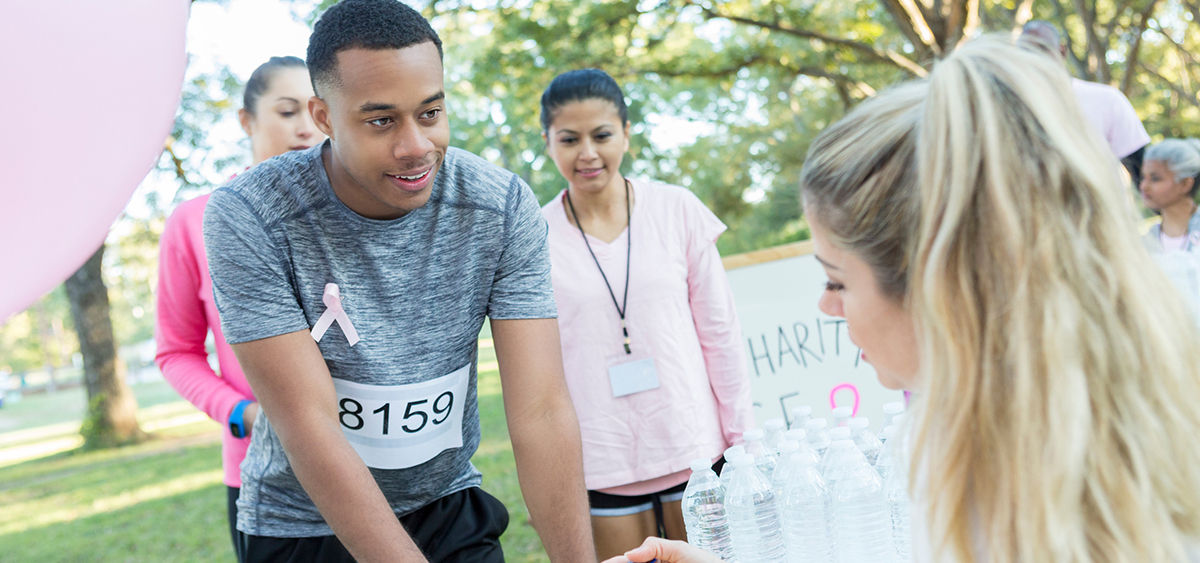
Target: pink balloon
[{"x": 89, "y": 96}]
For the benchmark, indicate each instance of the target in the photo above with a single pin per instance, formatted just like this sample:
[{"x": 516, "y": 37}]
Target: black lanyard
[{"x": 628, "y": 252}]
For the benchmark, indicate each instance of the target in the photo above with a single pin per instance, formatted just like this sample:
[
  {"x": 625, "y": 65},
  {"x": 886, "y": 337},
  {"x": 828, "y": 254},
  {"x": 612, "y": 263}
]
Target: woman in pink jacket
[
  {"x": 275, "y": 117},
  {"x": 652, "y": 349}
]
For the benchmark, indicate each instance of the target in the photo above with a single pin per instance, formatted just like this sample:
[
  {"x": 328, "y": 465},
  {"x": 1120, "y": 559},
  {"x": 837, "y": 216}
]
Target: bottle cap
[
  {"x": 788, "y": 446},
  {"x": 775, "y": 424},
  {"x": 797, "y": 434},
  {"x": 816, "y": 424},
  {"x": 700, "y": 464},
  {"x": 843, "y": 412},
  {"x": 894, "y": 407},
  {"x": 839, "y": 433},
  {"x": 859, "y": 423},
  {"x": 733, "y": 451},
  {"x": 753, "y": 435}
]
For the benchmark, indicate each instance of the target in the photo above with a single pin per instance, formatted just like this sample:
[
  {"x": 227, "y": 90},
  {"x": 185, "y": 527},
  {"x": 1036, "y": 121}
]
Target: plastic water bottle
[
  {"x": 763, "y": 458},
  {"x": 800, "y": 415},
  {"x": 868, "y": 444},
  {"x": 890, "y": 411},
  {"x": 829, "y": 465},
  {"x": 842, "y": 415},
  {"x": 773, "y": 434},
  {"x": 897, "y": 423},
  {"x": 886, "y": 460},
  {"x": 787, "y": 448},
  {"x": 818, "y": 436},
  {"x": 753, "y": 515},
  {"x": 704, "y": 511},
  {"x": 861, "y": 521},
  {"x": 727, "y": 471},
  {"x": 803, "y": 502},
  {"x": 801, "y": 438},
  {"x": 895, "y": 491}
]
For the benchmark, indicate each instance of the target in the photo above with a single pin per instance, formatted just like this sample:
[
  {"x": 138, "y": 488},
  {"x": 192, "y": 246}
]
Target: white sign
[{"x": 798, "y": 355}]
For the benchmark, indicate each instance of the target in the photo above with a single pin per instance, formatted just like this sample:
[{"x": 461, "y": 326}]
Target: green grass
[{"x": 163, "y": 500}]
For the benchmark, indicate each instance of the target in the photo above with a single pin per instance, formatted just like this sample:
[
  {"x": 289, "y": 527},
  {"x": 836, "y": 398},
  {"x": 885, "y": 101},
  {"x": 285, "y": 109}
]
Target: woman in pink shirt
[
  {"x": 275, "y": 117},
  {"x": 652, "y": 349}
]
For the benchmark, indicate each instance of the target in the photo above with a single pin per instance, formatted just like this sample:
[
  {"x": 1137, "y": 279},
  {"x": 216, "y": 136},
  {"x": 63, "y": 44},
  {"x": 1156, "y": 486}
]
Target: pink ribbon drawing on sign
[{"x": 833, "y": 396}]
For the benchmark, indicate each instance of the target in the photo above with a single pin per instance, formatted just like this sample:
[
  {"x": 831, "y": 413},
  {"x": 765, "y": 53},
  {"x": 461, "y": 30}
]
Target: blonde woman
[{"x": 982, "y": 260}]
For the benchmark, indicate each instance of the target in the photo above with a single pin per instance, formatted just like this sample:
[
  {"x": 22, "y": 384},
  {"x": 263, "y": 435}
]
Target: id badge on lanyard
[{"x": 631, "y": 373}]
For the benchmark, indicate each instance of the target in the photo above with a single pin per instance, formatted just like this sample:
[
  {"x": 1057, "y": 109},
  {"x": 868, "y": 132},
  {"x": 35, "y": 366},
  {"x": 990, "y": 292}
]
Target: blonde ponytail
[{"x": 1059, "y": 374}]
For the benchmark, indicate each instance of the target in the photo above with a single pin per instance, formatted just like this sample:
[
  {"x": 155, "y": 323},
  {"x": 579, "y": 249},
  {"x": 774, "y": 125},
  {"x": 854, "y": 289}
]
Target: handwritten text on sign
[{"x": 796, "y": 354}]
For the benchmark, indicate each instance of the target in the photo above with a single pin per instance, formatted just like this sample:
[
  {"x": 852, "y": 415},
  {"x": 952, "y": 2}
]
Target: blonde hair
[{"x": 1058, "y": 381}]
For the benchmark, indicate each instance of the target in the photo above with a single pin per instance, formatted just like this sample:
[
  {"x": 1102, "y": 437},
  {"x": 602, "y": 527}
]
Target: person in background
[
  {"x": 1104, "y": 107},
  {"x": 275, "y": 117},
  {"x": 1169, "y": 183},
  {"x": 1172, "y": 175},
  {"x": 649, "y": 332},
  {"x": 982, "y": 260}
]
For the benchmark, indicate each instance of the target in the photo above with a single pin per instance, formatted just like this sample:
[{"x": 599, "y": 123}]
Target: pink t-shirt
[
  {"x": 185, "y": 314},
  {"x": 680, "y": 310},
  {"x": 1111, "y": 115}
]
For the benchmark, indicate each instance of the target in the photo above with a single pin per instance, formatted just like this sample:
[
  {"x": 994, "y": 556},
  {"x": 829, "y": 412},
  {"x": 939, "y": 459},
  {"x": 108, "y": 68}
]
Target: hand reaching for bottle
[{"x": 665, "y": 551}]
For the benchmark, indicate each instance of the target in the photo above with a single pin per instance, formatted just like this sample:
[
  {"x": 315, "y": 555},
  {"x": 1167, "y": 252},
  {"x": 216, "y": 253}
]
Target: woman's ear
[{"x": 247, "y": 121}]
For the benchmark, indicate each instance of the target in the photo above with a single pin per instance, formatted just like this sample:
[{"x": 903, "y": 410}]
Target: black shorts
[
  {"x": 462, "y": 527},
  {"x": 604, "y": 504}
]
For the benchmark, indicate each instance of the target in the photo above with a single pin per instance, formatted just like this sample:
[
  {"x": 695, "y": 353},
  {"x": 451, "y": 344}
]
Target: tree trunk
[{"x": 111, "y": 417}]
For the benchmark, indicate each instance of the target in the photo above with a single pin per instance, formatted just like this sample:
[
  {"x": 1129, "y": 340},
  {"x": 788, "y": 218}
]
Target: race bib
[{"x": 399, "y": 426}]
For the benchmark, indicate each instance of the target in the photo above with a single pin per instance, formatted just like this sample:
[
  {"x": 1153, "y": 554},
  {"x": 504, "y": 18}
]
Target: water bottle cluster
[{"x": 805, "y": 494}]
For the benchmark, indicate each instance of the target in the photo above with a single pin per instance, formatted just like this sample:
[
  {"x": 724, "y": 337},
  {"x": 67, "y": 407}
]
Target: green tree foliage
[{"x": 763, "y": 77}]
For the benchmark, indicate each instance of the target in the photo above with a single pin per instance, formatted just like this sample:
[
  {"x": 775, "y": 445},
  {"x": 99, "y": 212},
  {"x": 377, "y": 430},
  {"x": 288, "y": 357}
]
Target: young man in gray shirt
[{"x": 352, "y": 280}]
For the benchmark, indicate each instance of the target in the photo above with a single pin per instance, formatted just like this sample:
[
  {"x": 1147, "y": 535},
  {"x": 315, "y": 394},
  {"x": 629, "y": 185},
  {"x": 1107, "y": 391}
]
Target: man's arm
[
  {"x": 294, "y": 389},
  {"x": 545, "y": 435}
]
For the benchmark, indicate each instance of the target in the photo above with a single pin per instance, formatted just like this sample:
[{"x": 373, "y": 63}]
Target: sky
[{"x": 244, "y": 33}]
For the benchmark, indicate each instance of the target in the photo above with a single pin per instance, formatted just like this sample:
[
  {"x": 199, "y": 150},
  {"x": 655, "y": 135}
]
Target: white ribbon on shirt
[{"x": 334, "y": 312}]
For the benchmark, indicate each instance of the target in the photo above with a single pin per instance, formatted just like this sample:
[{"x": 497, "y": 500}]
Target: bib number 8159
[{"x": 417, "y": 414}]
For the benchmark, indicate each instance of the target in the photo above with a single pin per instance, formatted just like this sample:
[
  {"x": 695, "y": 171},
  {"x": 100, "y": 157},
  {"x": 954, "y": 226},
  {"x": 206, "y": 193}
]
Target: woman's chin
[{"x": 890, "y": 381}]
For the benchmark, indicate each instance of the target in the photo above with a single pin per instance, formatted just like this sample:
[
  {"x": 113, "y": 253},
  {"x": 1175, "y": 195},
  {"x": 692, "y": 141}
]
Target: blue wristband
[{"x": 237, "y": 426}]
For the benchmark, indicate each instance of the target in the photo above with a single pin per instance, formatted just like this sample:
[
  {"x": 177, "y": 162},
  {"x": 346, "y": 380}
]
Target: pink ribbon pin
[{"x": 334, "y": 312}]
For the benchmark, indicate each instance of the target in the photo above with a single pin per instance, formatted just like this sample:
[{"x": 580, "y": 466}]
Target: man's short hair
[
  {"x": 362, "y": 24},
  {"x": 1042, "y": 36}
]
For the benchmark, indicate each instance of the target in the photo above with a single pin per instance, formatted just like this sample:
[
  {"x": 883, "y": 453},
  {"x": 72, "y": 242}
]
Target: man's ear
[{"x": 319, "y": 110}]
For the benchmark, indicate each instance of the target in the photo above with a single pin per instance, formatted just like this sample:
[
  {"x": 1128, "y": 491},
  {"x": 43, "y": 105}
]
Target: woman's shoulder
[
  {"x": 554, "y": 207},
  {"x": 187, "y": 216},
  {"x": 668, "y": 195}
]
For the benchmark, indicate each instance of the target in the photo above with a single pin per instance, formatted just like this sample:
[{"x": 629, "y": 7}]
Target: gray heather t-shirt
[{"x": 416, "y": 289}]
